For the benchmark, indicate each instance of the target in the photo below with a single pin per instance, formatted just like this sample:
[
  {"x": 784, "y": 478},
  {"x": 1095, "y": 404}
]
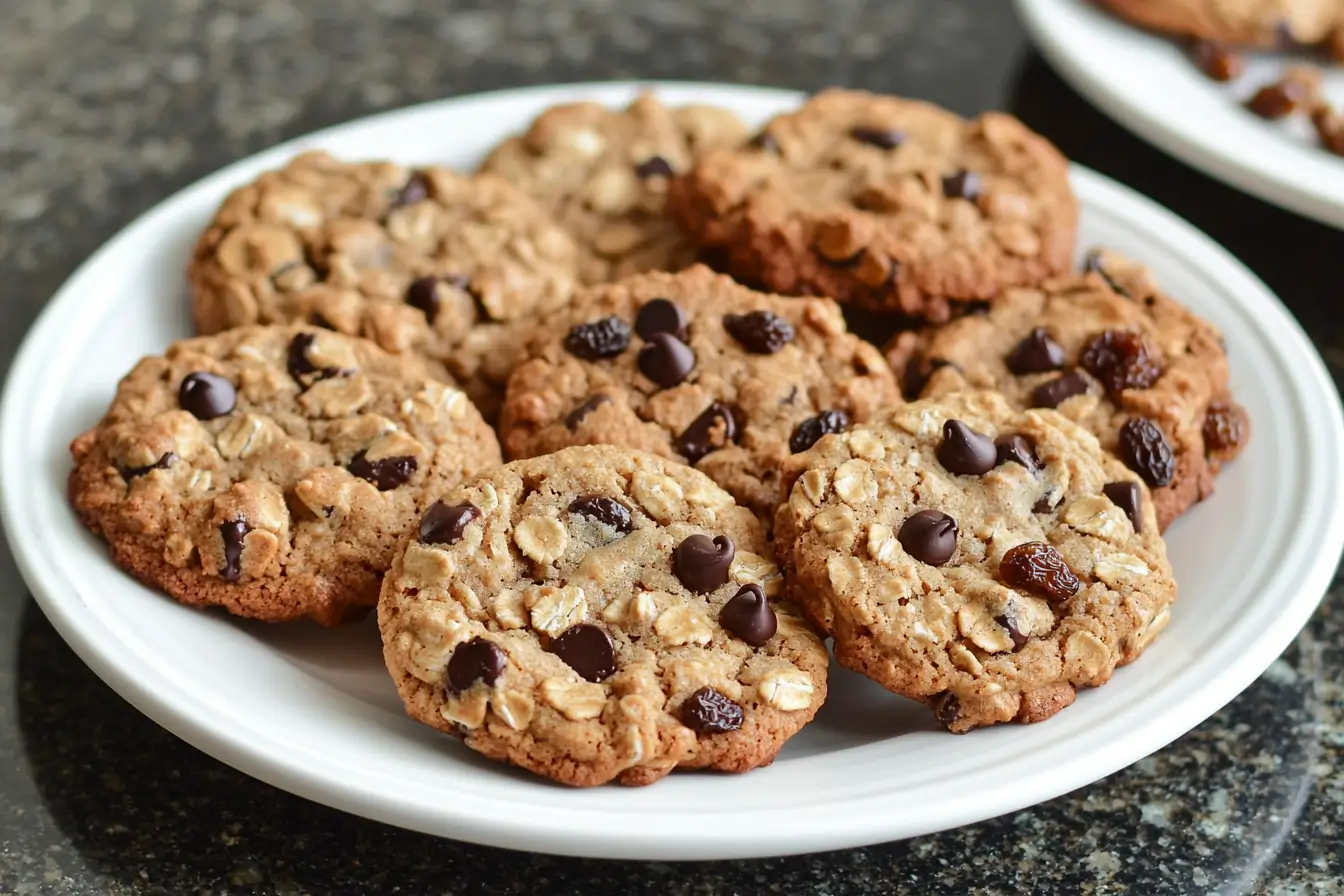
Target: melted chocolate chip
[
  {"x": 587, "y": 650},
  {"x": 576, "y": 416},
  {"x": 930, "y": 536},
  {"x": 1017, "y": 449},
  {"x": 712, "y": 430},
  {"x": 1036, "y": 353},
  {"x": 607, "y": 511},
  {"x": 708, "y": 711},
  {"x": 447, "y": 523},
  {"x": 666, "y": 360},
  {"x": 701, "y": 563},
  {"x": 810, "y": 431},
  {"x": 1052, "y": 393},
  {"x": 233, "y": 533},
  {"x": 164, "y": 462},
  {"x": 882, "y": 138},
  {"x": 660, "y": 316},
  {"x": 759, "y": 332},
  {"x": 749, "y": 616},
  {"x": 473, "y": 661},
  {"x": 604, "y": 338},
  {"x": 963, "y": 185},
  {"x": 206, "y": 395},
  {"x": 654, "y": 166},
  {"x": 387, "y": 473},
  {"x": 965, "y": 451},
  {"x": 1127, "y": 497}
]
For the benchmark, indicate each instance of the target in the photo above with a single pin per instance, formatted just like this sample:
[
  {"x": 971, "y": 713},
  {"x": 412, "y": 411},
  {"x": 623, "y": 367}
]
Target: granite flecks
[{"x": 107, "y": 107}]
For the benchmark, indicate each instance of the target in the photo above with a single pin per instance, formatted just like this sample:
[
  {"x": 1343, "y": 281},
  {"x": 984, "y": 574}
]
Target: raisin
[
  {"x": 810, "y": 431},
  {"x": 603, "y": 338},
  {"x": 760, "y": 332},
  {"x": 946, "y": 709},
  {"x": 710, "y": 712},
  {"x": 1037, "y": 567},
  {"x": 1146, "y": 451},
  {"x": 1224, "y": 430},
  {"x": 1217, "y": 60},
  {"x": 1121, "y": 360}
]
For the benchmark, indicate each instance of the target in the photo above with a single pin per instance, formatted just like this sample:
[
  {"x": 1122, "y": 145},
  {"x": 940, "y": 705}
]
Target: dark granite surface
[{"x": 108, "y": 106}]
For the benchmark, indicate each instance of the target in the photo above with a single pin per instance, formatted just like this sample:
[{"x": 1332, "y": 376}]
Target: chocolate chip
[
  {"x": 760, "y": 332},
  {"x": 1277, "y": 101},
  {"x": 424, "y": 294},
  {"x": 965, "y": 451},
  {"x": 1017, "y": 449},
  {"x": 1127, "y": 497},
  {"x": 765, "y": 143},
  {"x": 587, "y": 650},
  {"x": 701, "y": 562},
  {"x": 607, "y": 511},
  {"x": 1014, "y": 626},
  {"x": 1094, "y": 263},
  {"x": 660, "y": 316},
  {"x": 447, "y": 523},
  {"x": 575, "y": 417},
  {"x": 1145, "y": 450},
  {"x": 946, "y": 709},
  {"x": 1121, "y": 360},
  {"x": 1052, "y": 393},
  {"x": 712, "y": 430},
  {"x": 929, "y": 536},
  {"x": 963, "y": 185},
  {"x": 749, "y": 615},
  {"x": 604, "y": 338},
  {"x": 299, "y": 365},
  {"x": 882, "y": 138},
  {"x": 710, "y": 712},
  {"x": 387, "y": 473},
  {"x": 666, "y": 360},
  {"x": 473, "y": 661},
  {"x": 318, "y": 319},
  {"x": 654, "y": 166},
  {"x": 1217, "y": 60},
  {"x": 206, "y": 395},
  {"x": 233, "y": 532},
  {"x": 415, "y": 190},
  {"x": 920, "y": 371},
  {"x": 1041, "y": 569},
  {"x": 810, "y": 431},
  {"x": 1036, "y": 353},
  {"x": 164, "y": 462},
  {"x": 1047, "y": 502}
]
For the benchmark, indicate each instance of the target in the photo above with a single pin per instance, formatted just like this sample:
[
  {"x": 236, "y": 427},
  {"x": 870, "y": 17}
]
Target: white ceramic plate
[
  {"x": 313, "y": 712},
  {"x": 1148, "y": 83}
]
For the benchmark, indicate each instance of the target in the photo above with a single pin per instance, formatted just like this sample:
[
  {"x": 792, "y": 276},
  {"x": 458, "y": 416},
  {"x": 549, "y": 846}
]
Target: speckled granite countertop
[{"x": 108, "y": 106}]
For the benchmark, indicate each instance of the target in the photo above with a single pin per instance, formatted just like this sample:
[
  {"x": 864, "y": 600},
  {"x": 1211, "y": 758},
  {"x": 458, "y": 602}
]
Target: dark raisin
[
  {"x": 1121, "y": 360},
  {"x": 1225, "y": 430},
  {"x": 710, "y": 712},
  {"x": 761, "y": 332},
  {"x": 603, "y": 338},
  {"x": 946, "y": 709},
  {"x": 1146, "y": 451},
  {"x": 1037, "y": 567},
  {"x": 810, "y": 431},
  {"x": 1217, "y": 60}
]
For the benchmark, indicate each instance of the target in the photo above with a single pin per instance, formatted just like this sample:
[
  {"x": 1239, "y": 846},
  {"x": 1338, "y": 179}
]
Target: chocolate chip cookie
[
  {"x": 888, "y": 203},
  {"x": 599, "y": 614},
  {"x": 605, "y": 174},
  {"x": 428, "y": 261},
  {"x": 695, "y": 367},
  {"x": 1269, "y": 24},
  {"x": 1110, "y": 351},
  {"x": 986, "y": 561},
  {"x": 272, "y": 470}
]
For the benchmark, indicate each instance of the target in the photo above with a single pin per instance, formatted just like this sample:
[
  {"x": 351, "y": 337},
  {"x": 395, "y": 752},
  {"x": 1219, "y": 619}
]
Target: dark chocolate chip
[
  {"x": 415, "y": 190},
  {"x": 447, "y": 523},
  {"x": 299, "y": 365},
  {"x": 1052, "y": 393},
  {"x": 919, "y": 372},
  {"x": 712, "y": 430},
  {"x": 654, "y": 166},
  {"x": 660, "y": 316},
  {"x": 607, "y": 511},
  {"x": 233, "y": 532},
  {"x": 963, "y": 185},
  {"x": 1010, "y": 622},
  {"x": 810, "y": 431},
  {"x": 965, "y": 451},
  {"x": 946, "y": 709},
  {"x": 604, "y": 338},
  {"x": 387, "y": 473},
  {"x": 1145, "y": 450},
  {"x": 708, "y": 711},
  {"x": 206, "y": 395},
  {"x": 701, "y": 562},
  {"x": 749, "y": 615},
  {"x": 1036, "y": 353},
  {"x": 424, "y": 294},
  {"x": 1018, "y": 449},
  {"x": 929, "y": 536},
  {"x": 473, "y": 661},
  {"x": 1041, "y": 569},
  {"x": 164, "y": 462},
  {"x": 882, "y": 138},
  {"x": 760, "y": 332},
  {"x": 666, "y": 360},
  {"x": 587, "y": 650},
  {"x": 1127, "y": 497},
  {"x": 576, "y": 416}
]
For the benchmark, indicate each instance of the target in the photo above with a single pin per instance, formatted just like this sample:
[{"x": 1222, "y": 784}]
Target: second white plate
[{"x": 312, "y": 711}]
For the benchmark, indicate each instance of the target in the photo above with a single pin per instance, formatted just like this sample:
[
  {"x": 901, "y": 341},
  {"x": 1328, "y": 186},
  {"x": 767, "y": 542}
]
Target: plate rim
[
  {"x": 619, "y": 837},
  {"x": 1304, "y": 180}
]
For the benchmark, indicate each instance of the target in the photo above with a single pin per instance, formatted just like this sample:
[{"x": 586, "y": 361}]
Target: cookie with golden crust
[
  {"x": 271, "y": 471},
  {"x": 987, "y": 561},
  {"x": 1255, "y": 23},
  {"x": 888, "y": 203},
  {"x": 599, "y": 614}
]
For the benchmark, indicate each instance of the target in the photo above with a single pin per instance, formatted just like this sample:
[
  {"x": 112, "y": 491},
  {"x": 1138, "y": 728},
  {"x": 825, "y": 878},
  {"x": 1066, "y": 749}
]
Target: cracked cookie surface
[
  {"x": 695, "y": 367},
  {"x": 1110, "y": 351},
  {"x": 884, "y": 202},
  {"x": 428, "y": 261},
  {"x": 986, "y": 561},
  {"x": 271, "y": 471},
  {"x": 599, "y": 614}
]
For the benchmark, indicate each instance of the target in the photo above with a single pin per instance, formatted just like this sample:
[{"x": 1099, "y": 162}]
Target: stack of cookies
[{"x": 709, "y": 472}]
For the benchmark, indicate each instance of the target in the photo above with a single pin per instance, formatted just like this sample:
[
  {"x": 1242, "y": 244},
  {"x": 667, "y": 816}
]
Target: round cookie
[
  {"x": 887, "y": 203},
  {"x": 605, "y": 174},
  {"x": 429, "y": 261},
  {"x": 599, "y": 614},
  {"x": 1276, "y": 24},
  {"x": 271, "y": 471},
  {"x": 986, "y": 561},
  {"x": 695, "y": 367},
  {"x": 1108, "y": 350}
]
